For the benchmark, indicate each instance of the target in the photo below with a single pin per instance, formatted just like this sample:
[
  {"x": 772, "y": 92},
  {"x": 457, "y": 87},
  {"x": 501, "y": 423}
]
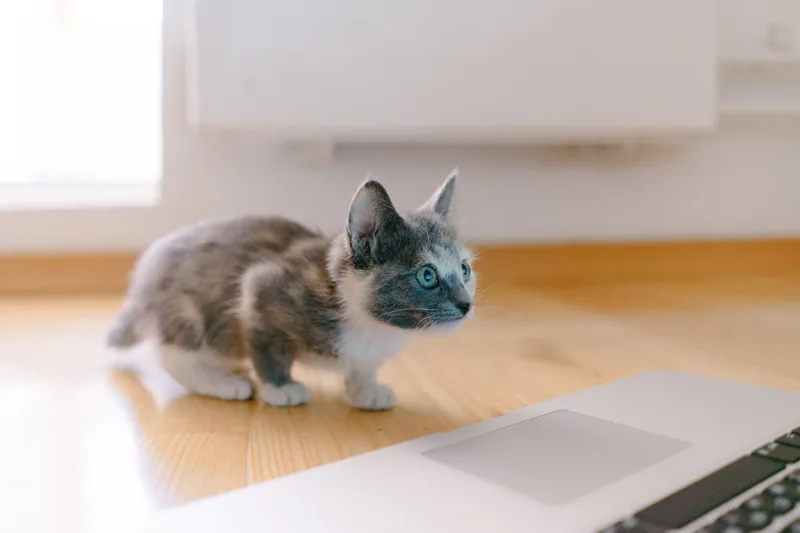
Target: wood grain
[
  {"x": 27, "y": 274},
  {"x": 91, "y": 435},
  {"x": 503, "y": 264},
  {"x": 604, "y": 262}
]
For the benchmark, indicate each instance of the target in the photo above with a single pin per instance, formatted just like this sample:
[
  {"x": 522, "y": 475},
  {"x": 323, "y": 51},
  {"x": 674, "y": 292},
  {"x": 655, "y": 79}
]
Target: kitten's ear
[
  {"x": 442, "y": 199},
  {"x": 372, "y": 216}
]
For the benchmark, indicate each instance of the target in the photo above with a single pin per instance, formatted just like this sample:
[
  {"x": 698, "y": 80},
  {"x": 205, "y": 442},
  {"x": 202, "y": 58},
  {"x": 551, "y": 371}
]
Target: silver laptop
[{"x": 660, "y": 451}]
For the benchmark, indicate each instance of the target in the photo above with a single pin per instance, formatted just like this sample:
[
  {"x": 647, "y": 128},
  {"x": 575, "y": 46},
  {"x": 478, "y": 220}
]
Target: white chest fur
[
  {"x": 369, "y": 344},
  {"x": 364, "y": 342}
]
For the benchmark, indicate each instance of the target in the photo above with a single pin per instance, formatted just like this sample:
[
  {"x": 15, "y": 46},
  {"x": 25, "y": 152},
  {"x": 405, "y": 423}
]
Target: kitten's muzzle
[{"x": 464, "y": 307}]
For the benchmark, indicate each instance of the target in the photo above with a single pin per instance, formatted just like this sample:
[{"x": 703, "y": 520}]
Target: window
[{"x": 80, "y": 97}]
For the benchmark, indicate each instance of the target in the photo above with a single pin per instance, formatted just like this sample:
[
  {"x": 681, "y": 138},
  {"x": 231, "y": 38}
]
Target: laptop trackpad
[{"x": 558, "y": 457}]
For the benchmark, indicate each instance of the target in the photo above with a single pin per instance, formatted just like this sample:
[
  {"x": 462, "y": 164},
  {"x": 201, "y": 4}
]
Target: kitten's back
[{"x": 189, "y": 278}]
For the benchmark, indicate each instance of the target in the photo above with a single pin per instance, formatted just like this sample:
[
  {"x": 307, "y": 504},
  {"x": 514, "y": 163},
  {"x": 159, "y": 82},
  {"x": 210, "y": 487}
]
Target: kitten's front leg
[
  {"x": 273, "y": 356},
  {"x": 365, "y": 391}
]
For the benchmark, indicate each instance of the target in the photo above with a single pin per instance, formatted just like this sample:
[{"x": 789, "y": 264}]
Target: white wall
[{"x": 741, "y": 182}]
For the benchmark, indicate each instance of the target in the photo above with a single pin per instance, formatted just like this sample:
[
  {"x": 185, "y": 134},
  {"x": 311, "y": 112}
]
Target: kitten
[{"x": 258, "y": 293}]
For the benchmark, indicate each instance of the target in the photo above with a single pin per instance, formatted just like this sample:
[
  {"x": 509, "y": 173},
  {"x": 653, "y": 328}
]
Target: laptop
[{"x": 656, "y": 452}]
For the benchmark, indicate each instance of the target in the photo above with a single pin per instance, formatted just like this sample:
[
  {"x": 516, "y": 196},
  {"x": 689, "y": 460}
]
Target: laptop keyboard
[{"x": 768, "y": 510}]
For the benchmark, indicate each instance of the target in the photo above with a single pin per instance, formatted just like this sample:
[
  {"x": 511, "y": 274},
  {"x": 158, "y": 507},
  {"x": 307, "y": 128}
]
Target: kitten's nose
[{"x": 464, "y": 307}]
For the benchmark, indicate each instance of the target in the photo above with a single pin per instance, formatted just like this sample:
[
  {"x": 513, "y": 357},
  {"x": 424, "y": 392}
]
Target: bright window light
[{"x": 80, "y": 92}]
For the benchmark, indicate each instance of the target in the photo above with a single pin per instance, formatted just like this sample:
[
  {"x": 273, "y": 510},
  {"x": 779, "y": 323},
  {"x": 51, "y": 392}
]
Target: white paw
[
  {"x": 233, "y": 388},
  {"x": 293, "y": 393},
  {"x": 371, "y": 397}
]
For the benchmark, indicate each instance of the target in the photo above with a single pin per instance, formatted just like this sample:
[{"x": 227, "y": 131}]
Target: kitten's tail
[{"x": 124, "y": 332}]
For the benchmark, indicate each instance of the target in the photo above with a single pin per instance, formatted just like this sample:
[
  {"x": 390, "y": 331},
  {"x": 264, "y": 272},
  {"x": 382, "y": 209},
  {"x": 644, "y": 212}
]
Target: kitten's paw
[
  {"x": 371, "y": 397},
  {"x": 233, "y": 388},
  {"x": 291, "y": 394}
]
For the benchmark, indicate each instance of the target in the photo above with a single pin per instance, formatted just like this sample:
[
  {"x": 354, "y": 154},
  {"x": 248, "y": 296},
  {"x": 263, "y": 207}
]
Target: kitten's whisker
[
  {"x": 484, "y": 290},
  {"x": 513, "y": 312},
  {"x": 395, "y": 311}
]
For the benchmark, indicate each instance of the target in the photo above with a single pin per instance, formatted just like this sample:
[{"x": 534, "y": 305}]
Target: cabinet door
[{"x": 454, "y": 70}]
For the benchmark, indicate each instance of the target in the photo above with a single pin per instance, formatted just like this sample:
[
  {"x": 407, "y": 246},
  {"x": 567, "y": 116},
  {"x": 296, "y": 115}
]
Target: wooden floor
[{"x": 89, "y": 436}]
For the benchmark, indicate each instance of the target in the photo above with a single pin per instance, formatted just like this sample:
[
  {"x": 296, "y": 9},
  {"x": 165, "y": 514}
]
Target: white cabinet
[{"x": 454, "y": 70}]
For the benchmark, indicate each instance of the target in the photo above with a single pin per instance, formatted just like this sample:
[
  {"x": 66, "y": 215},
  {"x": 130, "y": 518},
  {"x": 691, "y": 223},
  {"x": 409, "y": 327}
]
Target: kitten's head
[{"x": 409, "y": 271}]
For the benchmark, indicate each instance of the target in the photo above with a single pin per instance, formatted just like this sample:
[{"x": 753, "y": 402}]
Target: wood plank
[
  {"x": 607, "y": 262},
  {"x": 64, "y": 273}
]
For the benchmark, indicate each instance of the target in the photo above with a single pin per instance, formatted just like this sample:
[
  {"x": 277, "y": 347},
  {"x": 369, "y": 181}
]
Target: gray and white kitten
[{"x": 225, "y": 297}]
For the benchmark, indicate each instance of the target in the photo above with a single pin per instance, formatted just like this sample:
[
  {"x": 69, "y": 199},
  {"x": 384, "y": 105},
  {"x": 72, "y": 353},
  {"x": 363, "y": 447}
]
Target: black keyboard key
[
  {"x": 790, "y": 439},
  {"x": 692, "y": 502},
  {"x": 757, "y": 520},
  {"x": 784, "y": 489},
  {"x": 733, "y": 518},
  {"x": 744, "y": 519},
  {"x": 633, "y": 526},
  {"x": 756, "y": 513},
  {"x": 792, "y": 528},
  {"x": 756, "y": 503},
  {"x": 781, "y": 505},
  {"x": 780, "y": 452}
]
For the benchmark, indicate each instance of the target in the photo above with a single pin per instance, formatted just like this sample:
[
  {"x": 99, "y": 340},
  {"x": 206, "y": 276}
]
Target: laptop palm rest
[{"x": 558, "y": 457}]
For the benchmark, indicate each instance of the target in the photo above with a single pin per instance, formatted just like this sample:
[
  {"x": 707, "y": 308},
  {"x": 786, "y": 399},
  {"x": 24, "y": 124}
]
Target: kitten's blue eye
[
  {"x": 465, "y": 271},
  {"x": 427, "y": 277}
]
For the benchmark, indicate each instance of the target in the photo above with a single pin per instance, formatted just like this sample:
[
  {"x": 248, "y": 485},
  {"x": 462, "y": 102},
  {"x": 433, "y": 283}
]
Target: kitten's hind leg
[
  {"x": 204, "y": 372},
  {"x": 273, "y": 356}
]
